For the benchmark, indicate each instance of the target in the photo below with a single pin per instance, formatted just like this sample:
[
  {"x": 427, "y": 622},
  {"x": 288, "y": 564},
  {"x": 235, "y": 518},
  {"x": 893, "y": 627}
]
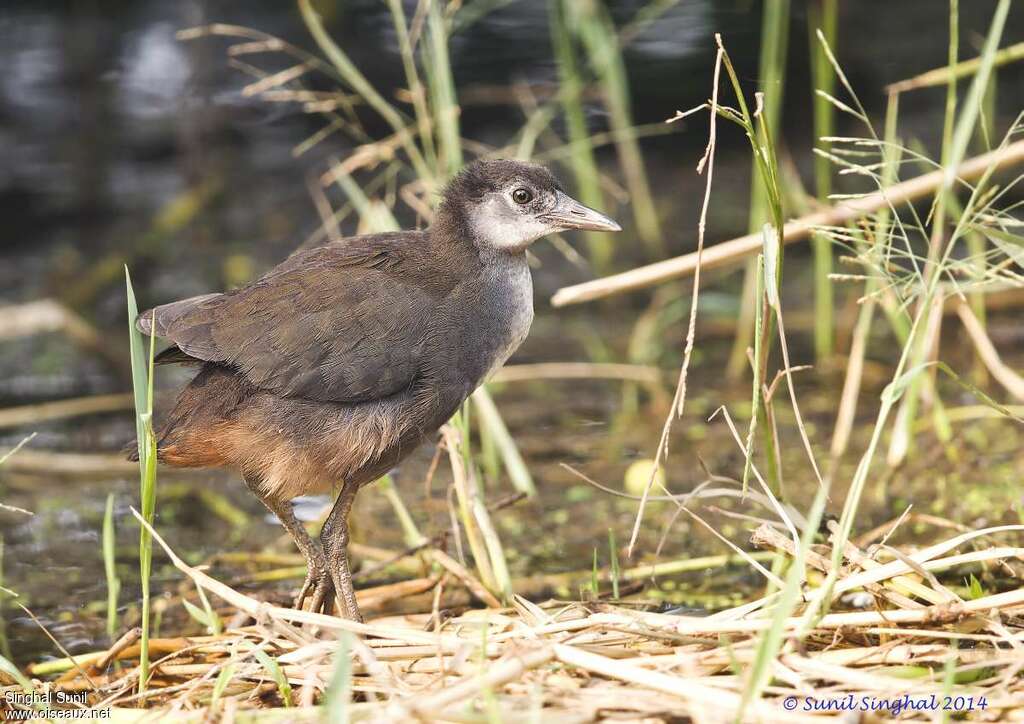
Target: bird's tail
[{"x": 131, "y": 450}]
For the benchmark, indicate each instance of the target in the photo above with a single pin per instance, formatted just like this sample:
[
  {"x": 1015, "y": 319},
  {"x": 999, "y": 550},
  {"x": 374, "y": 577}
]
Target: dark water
[{"x": 121, "y": 145}]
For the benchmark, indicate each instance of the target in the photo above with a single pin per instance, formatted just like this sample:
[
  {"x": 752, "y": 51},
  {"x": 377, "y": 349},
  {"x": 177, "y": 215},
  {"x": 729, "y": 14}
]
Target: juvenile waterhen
[{"x": 334, "y": 365}]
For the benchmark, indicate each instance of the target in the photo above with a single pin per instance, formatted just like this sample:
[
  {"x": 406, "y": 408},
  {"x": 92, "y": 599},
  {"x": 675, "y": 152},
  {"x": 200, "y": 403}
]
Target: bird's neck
[{"x": 452, "y": 226}]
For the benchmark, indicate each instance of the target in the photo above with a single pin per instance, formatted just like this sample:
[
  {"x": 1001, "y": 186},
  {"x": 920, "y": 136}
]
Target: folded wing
[{"x": 333, "y": 325}]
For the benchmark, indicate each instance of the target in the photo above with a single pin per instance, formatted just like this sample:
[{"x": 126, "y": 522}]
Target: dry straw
[{"x": 573, "y": 661}]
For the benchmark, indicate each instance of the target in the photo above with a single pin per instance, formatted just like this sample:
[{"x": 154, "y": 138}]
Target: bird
[{"x": 328, "y": 370}]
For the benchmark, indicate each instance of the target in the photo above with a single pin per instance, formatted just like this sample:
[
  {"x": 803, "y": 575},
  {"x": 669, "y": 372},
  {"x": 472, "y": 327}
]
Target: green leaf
[
  {"x": 1010, "y": 244},
  {"x": 15, "y": 673},
  {"x": 142, "y": 385},
  {"x": 895, "y": 389},
  {"x": 211, "y": 615},
  {"x": 223, "y": 679},
  {"x": 109, "y": 567},
  {"x": 274, "y": 669},
  {"x": 771, "y": 265},
  {"x": 905, "y": 672},
  {"x": 977, "y": 392},
  {"x": 197, "y": 613},
  {"x": 490, "y": 419},
  {"x": 339, "y": 690},
  {"x": 613, "y": 553},
  {"x": 140, "y": 382},
  {"x": 974, "y": 589}
]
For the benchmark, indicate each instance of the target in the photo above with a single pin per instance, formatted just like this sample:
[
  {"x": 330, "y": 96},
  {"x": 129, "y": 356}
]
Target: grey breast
[{"x": 506, "y": 313}]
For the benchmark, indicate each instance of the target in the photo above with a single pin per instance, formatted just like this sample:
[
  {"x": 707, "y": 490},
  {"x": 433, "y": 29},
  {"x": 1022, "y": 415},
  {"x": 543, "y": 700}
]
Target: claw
[
  {"x": 323, "y": 596},
  {"x": 355, "y": 615},
  {"x": 316, "y": 573},
  {"x": 313, "y": 578}
]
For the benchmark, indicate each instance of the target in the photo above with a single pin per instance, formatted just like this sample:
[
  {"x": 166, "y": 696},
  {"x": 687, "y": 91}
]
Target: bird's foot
[
  {"x": 316, "y": 576},
  {"x": 345, "y": 606},
  {"x": 322, "y": 596},
  {"x": 320, "y": 592},
  {"x": 353, "y": 614}
]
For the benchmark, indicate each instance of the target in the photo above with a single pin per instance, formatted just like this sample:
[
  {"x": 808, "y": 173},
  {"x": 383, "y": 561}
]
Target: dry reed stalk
[
  {"x": 608, "y": 657},
  {"x": 261, "y": 611},
  {"x": 734, "y": 250},
  {"x": 459, "y": 571},
  {"x": 940, "y": 76},
  {"x": 70, "y": 464},
  {"x": 578, "y": 371},
  {"x": 63, "y": 409},
  {"x": 903, "y": 584},
  {"x": 1000, "y": 371},
  {"x": 118, "y": 647},
  {"x": 767, "y": 537},
  {"x": 480, "y": 532},
  {"x": 694, "y": 693},
  {"x": 510, "y": 668},
  {"x": 608, "y": 660}
]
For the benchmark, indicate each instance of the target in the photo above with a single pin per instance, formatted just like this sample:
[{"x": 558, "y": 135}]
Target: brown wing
[{"x": 336, "y": 323}]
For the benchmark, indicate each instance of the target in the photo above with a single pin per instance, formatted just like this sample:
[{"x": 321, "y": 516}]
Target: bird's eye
[{"x": 522, "y": 196}]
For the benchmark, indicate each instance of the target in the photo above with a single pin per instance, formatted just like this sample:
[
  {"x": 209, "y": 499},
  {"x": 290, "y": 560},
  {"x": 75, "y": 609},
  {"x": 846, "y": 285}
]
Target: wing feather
[{"x": 337, "y": 323}]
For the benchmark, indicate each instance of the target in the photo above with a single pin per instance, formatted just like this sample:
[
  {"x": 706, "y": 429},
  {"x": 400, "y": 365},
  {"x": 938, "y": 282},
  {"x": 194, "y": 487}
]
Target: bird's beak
[{"x": 571, "y": 214}]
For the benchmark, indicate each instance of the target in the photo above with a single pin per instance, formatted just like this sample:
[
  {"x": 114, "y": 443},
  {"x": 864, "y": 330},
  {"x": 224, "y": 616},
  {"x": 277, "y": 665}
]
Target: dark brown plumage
[{"x": 337, "y": 363}]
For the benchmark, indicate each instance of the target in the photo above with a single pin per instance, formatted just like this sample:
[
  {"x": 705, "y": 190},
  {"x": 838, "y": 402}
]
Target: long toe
[
  {"x": 354, "y": 614},
  {"x": 313, "y": 579},
  {"x": 323, "y": 596},
  {"x": 316, "y": 573},
  {"x": 346, "y": 604}
]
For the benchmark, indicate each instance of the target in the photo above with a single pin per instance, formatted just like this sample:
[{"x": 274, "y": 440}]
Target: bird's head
[{"x": 507, "y": 205}]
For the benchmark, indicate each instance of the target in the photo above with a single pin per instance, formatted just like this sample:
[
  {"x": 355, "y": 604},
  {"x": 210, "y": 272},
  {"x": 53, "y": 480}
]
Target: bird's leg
[
  {"x": 316, "y": 563},
  {"x": 334, "y": 539}
]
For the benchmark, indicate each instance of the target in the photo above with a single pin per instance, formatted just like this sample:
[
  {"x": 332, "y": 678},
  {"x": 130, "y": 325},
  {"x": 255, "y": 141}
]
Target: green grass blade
[
  {"x": 338, "y": 697},
  {"x": 142, "y": 385},
  {"x": 15, "y": 673},
  {"x": 823, "y": 15},
  {"x": 602, "y": 45},
  {"x": 772, "y": 65},
  {"x": 515, "y": 466},
  {"x": 273, "y": 668},
  {"x": 771, "y": 641},
  {"x": 442, "y": 92},
  {"x": 972, "y": 103},
  {"x": 140, "y": 381},
  {"x": 211, "y": 616},
  {"x": 954, "y": 151},
  {"x": 581, "y": 150},
  {"x": 109, "y": 567},
  {"x": 613, "y": 554},
  {"x": 221, "y": 684},
  {"x": 198, "y": 615},
  {"x": 374, "y": 215},
  {"x": 411, "y": 535},
  {"x": 412, "y": 77}
]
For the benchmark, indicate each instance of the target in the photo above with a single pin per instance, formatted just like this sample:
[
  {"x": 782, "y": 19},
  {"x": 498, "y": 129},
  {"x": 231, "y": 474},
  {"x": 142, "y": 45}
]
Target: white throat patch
[{"x": 494, "y": 225}]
